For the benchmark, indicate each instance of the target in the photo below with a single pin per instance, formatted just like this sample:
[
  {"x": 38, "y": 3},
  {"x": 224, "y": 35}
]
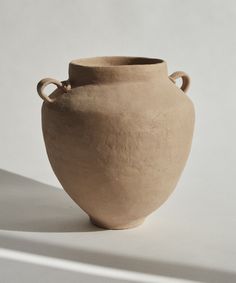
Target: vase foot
[{"x": 129, "y": 225}]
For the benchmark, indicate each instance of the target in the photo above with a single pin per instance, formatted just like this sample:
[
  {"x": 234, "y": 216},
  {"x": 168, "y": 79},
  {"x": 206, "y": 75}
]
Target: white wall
[{"x": 39, "y": 38}]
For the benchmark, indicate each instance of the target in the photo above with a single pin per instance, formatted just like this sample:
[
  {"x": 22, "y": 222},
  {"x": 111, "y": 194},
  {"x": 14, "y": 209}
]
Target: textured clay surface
[{"x": 118, "y": 140}]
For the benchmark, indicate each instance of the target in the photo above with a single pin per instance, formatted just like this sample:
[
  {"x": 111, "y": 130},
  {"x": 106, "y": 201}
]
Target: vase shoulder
[{"x": 158, "y": 96}]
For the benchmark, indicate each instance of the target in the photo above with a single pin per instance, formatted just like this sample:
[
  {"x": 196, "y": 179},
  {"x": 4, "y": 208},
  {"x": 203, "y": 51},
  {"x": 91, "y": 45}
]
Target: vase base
[{"x": 129, "y": 225}]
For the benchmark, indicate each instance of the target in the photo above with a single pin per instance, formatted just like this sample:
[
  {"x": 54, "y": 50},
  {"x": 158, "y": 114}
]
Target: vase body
[{"x": 119, "y": 137}]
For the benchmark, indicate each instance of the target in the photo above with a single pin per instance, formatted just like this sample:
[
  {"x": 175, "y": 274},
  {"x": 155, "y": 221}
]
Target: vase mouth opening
[
  {"x": 115, "y": 61},
  {"x": 112, "y": 69}
]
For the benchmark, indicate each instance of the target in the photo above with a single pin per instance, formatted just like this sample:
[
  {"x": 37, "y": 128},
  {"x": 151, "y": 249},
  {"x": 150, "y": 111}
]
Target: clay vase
[{"x": 118, "y": 133}]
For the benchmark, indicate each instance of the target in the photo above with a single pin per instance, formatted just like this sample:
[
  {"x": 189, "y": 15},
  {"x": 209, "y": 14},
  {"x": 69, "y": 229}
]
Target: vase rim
[
  {"x": 116, "y": 61},
  {"x": 110, "y": 69}
]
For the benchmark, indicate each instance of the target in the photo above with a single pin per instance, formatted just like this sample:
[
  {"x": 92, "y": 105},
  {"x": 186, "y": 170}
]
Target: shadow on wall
[{"x": 28, "y": 205}]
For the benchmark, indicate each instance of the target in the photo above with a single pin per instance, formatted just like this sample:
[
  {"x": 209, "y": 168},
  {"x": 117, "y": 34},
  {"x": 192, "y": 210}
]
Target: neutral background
[
  {"x": 39, "y": 38},
  {"x": 196, "y": 228}
]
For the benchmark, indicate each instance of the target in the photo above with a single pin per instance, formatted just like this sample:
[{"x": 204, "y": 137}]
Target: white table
[{"x": 43, "y": 233}]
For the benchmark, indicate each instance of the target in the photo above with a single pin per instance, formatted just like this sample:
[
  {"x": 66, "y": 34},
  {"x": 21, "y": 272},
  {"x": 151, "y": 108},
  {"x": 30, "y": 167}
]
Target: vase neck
[{"x": 100, "y": 70}]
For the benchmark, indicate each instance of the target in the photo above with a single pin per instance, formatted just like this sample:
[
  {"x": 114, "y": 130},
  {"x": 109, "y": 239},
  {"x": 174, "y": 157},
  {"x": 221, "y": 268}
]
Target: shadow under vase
[{"x": 28, "y": 205}]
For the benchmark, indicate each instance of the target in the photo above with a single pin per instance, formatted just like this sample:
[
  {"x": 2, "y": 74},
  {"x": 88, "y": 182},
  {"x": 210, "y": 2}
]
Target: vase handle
[
  {"x": 185, "y": 80},
  {"x": 64, "y": 86}
]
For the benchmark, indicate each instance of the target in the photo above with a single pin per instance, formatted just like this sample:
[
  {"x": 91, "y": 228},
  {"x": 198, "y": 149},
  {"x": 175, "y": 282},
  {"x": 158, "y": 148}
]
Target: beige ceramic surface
[{"x": 118, "y": 133}]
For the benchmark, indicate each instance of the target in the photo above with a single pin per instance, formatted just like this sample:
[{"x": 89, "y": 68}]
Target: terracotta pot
[{"x": 118, "y": 133}]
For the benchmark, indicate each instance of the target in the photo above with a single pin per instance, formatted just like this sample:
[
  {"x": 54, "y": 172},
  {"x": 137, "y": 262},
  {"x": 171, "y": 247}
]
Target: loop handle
[
  {"x": 185, "y": 80},
  {"x": 64, "y": 86}
]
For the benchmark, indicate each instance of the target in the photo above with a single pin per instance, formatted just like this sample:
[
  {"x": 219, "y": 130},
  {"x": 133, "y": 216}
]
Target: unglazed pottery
[{"x": 118, "y": 133}]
